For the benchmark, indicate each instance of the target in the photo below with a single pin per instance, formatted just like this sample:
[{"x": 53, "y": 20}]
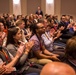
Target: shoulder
[
  {"x": 10, "y": 46},
  {"x": 1, "y": 61},
  {"x": 42, "y": 36},
  {"x": 34, "y": 37}
]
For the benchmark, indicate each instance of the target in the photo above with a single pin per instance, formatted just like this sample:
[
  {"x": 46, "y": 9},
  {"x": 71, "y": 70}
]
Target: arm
[
  {"x": 46, "y": 52},
  {"x": 18, "y": 55},
  {"x": 13, "y": 62},
  {"x": 2, "y": 69},
  {"x": 5, "y": 70},
  {"x": 39, "y": 54},
  {"x": 58, "y": 35},
  {"x": 28, "y": 46},
  {"x": 13, "y": 50},
  {"x": 43, "y": 56},
  {"x": 23, "y": 58}
]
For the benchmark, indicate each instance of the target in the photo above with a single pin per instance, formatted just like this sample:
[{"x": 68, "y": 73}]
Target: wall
[
  {"x": 11, "y": 6},
  {"x": 50, "y": 8},
  {"x": 17, "y": 8},
  {"x": 57, "y": 8},
  {"x": 32, "y": 6},
  {"x": 43, "y": 6},
  {"x": 24, "y": 7},
  {"x": 4, "y": 6},
  {"x": 68, "y": 7}
]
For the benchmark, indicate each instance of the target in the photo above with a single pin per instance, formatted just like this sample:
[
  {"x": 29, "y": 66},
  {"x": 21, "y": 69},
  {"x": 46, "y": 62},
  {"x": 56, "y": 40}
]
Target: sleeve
[
  {"x": 23, "y": 37},
  {"x": 23, "y": 59},
  {"x": 36, "y": 46},
  {"x": 1, "y": 61},
  {"x": 46, "y": 41},
  {"x": 11, "y": 49}
]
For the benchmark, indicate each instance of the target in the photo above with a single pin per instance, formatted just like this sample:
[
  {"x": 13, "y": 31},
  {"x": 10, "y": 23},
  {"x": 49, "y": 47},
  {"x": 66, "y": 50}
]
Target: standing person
[{"x": 39, "y": 11}]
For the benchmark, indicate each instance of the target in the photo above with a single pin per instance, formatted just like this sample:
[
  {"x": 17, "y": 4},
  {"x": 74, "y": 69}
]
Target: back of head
[
  {"x": 71, "y": 48},
  {"x": 57, "y": 68},
  {"x": 19, "y": 22}
]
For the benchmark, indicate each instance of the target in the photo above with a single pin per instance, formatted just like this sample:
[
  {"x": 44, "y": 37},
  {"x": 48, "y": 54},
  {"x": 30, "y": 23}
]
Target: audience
[{"x": 31, "y": 40}]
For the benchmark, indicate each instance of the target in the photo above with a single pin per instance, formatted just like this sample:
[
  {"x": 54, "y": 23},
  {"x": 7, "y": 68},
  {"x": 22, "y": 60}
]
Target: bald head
[{"x": 57, "y": 68}]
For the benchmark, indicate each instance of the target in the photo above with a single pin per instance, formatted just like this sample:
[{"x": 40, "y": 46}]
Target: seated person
[
  {"x": 49, "y": 44},
  {"x": 39, "y": 50},
  {"x": 13, "y": 44},
  {"x": 3, "y": 33},
  {"x": 70, "y": 52},
  {"x": 62, "y": 34},
  {"x": 59, "y": 32},
  {"x": 10, "y": 62},
  {"x": 57, "y": 68},
  {"x": 48, "y": 38},
  {"x": 21, "y": 25}
]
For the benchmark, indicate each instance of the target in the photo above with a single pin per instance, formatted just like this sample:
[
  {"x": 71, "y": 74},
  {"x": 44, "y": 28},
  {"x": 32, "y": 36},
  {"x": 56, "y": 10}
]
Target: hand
[
  {"x": 5, "y": 70},
  {"x": 9, "y": 70},
  {"x": 55, "y": 55},
  {"x": 74, "y": 28},
  {"x": 30, "y": 33},
  {"x": 55, "y": 58},
  {"x": 20, "y": 49},
  {"x": 3, "y": 35},
  {"x": 29, "y": 45},
  {"x": 69, "y": 26},
  {"x": 2, "y": 69}
]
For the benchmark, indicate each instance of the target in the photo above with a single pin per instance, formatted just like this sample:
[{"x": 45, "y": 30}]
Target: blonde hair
[{"x": 19, "y": 22}]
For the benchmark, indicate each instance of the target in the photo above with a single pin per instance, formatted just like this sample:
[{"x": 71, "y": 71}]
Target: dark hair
[
  {"x": 33, "y": 28},
  {"x": 11, "y": 32},
  {"x": 18, "y": 22},
  {"x": 71, "y": 48},
  {"x": 60, "y": 25}
]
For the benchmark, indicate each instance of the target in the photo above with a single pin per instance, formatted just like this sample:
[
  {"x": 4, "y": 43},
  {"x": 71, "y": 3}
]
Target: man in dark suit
[{"x": 39, "y": 11}]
